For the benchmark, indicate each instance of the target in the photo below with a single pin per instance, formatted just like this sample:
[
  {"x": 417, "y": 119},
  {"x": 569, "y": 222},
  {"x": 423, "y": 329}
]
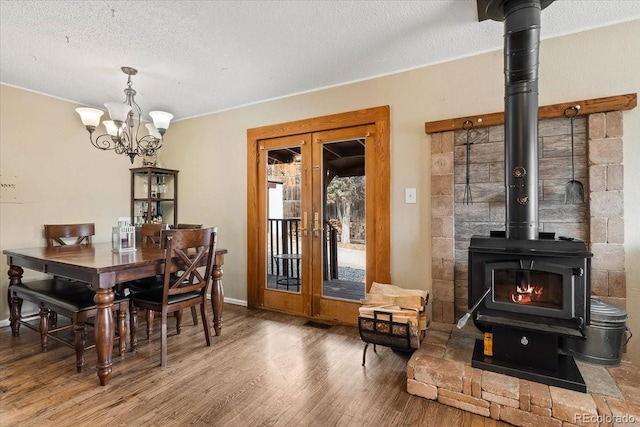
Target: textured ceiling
[{"x": 199, "y": 57}]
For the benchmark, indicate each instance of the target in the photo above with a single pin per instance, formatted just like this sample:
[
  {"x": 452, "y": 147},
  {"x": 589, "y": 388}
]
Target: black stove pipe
[{"x": 521, "y": 46}]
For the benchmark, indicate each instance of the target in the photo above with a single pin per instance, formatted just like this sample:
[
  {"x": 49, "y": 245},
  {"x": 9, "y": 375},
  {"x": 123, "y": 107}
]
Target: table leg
[
  {"x": 104, "y": 333},
  {"x": 217, "y": 295},
  {"x": 15, "y": 276}
]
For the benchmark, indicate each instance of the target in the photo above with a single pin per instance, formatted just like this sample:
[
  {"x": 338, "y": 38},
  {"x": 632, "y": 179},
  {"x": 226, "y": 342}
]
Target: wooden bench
[{"x": 68, "y": 298}]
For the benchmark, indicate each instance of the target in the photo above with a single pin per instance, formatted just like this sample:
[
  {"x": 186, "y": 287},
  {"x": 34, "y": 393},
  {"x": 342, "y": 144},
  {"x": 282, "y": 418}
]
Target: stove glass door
[
  {"x": 531, "y": 286},
  {"x": 526, "y": 287}
]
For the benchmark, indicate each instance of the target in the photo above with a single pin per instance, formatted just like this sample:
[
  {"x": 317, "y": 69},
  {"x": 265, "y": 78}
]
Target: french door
[
  {"x": 314, "y": 198},
  {"x": 284, "y": 183}
]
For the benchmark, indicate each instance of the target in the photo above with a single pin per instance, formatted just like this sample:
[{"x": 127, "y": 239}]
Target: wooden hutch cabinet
[{"x": 154, "y": 195}]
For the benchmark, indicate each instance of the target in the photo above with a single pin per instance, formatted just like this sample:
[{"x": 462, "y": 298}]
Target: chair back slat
[{"x": 57, "y": 233}]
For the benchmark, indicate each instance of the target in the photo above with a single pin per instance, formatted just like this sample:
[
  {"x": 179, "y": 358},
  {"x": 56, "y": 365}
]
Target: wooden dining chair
[
  {"x": 59, "y": 295},
  {"x": 194, "y": 315},
  {"x": 80, "y": 234},
  {"x": 150, "y": 236},
  {"x": 187, "y": 250},
  {"x": 67, "y": 235}
]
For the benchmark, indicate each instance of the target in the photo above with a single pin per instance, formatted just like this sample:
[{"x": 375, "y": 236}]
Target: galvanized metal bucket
[{"x": 605, "y": 336}]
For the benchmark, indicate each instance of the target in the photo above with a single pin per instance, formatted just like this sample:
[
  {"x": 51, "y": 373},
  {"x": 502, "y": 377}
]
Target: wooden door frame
[{"x": 378, "y": 189}]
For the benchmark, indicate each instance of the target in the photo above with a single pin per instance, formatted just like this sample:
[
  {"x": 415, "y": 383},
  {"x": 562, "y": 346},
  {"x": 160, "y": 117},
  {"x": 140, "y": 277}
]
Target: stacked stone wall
[{"x": 599, "y": 221}]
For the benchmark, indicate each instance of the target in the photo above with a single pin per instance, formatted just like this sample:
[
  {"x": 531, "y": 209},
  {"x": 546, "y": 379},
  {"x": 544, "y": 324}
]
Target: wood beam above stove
[{"x": 588, "y": 106}]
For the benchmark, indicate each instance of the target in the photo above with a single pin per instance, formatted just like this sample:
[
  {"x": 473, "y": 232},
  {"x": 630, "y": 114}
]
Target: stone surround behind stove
[
  {"x": 441, "y": 370},
  {"x": 599, "y": 221}
]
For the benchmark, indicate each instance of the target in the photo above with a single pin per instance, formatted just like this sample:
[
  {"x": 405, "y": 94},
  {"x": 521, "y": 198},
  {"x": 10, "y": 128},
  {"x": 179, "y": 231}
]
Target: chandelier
[{"x": 123, "y": 128}]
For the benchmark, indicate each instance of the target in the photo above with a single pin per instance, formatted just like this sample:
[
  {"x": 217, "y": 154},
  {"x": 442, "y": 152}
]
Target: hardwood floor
[{"x": 266, "y": 369}]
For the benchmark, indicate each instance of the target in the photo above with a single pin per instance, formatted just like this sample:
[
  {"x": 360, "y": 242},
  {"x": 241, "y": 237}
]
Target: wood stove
[
  {"x": 538, "y": 291},
  {"x": 544, "y": 282},
  {"x": 528, "y": 288}
]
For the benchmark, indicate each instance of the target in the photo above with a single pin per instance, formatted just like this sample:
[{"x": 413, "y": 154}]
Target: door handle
[
  {"x": 304, "y": 223},
  {"x": 316, "y": 224}
]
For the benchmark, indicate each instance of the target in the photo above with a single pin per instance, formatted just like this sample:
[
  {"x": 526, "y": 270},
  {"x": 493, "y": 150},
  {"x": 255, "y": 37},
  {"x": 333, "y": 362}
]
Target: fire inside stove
[
  {"x": 527, "y": 294},
  {"x": 523, "y": 287}
]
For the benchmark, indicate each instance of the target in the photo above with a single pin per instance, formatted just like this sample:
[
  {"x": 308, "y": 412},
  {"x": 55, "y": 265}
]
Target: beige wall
[
  {"x": 64, "y": 179},
  {"x": 210, "y": 151}
]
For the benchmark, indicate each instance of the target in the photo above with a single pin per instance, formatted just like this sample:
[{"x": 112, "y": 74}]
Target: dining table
[{"x": 98, "y": 265}]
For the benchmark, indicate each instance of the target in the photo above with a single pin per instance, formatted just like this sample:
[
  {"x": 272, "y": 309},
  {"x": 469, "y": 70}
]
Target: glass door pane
[
  {"x": 344, "y": 200},
  {"x": 284, "y": 214}
]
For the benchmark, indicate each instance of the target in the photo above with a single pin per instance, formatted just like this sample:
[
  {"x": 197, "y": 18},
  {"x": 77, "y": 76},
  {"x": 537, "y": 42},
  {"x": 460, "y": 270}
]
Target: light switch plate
[{"x": 409, "y": 195}]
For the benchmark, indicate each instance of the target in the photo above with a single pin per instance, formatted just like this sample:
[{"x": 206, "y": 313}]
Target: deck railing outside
[{"x": 284, "y": 238}]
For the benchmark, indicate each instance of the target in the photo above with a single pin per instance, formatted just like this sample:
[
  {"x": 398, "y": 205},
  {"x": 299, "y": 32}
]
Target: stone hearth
[{"x": 441, "y": 370}]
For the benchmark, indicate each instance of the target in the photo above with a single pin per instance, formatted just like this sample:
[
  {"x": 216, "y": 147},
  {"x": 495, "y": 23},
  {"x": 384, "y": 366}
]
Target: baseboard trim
[{"x": 235, "y": 301}]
